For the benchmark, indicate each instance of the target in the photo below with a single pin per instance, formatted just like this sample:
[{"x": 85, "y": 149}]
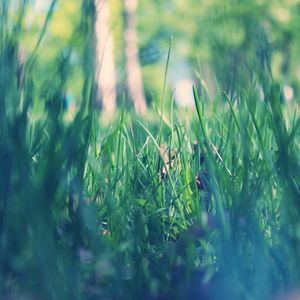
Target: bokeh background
[{"x": 217, "y": 42}]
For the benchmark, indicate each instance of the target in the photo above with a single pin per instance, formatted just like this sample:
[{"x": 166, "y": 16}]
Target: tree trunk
[
  {"x": 105, "y": 64},
  {"x": 133, "y": 67}
]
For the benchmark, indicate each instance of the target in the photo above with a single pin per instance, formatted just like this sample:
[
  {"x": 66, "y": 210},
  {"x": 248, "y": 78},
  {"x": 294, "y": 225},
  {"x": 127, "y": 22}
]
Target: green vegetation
[{"x": 178, "y": 204}]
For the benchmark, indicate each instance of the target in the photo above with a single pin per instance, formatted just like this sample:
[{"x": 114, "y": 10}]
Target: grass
[{"x": 90, "y": 212}]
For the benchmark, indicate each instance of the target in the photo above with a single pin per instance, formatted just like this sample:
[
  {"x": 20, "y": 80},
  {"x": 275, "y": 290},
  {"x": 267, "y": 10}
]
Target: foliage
[{"x": 203, "y": 204}]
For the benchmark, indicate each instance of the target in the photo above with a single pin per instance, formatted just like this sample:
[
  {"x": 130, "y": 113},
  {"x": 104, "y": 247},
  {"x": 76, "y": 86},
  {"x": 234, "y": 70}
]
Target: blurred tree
[
  {"x": 105, "y": 58},
  {"x": 238, "y": 43},
  {"x": 133, "y": 68},
  {"x": 230, "y": 38}
]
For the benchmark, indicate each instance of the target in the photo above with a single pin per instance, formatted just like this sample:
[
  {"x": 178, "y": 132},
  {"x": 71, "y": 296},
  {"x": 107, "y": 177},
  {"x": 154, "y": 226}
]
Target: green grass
[{"x": 86, "y": 213}]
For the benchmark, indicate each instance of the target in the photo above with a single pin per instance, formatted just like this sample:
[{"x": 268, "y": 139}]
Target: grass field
[{"x": 200, "y": 204}]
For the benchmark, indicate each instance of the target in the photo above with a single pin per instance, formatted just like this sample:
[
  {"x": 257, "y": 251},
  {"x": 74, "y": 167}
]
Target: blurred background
[{"x": 217, "y": 45}]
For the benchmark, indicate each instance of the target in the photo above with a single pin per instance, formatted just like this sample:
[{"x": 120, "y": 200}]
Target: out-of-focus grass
[{"x": 88, "y": 212}]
